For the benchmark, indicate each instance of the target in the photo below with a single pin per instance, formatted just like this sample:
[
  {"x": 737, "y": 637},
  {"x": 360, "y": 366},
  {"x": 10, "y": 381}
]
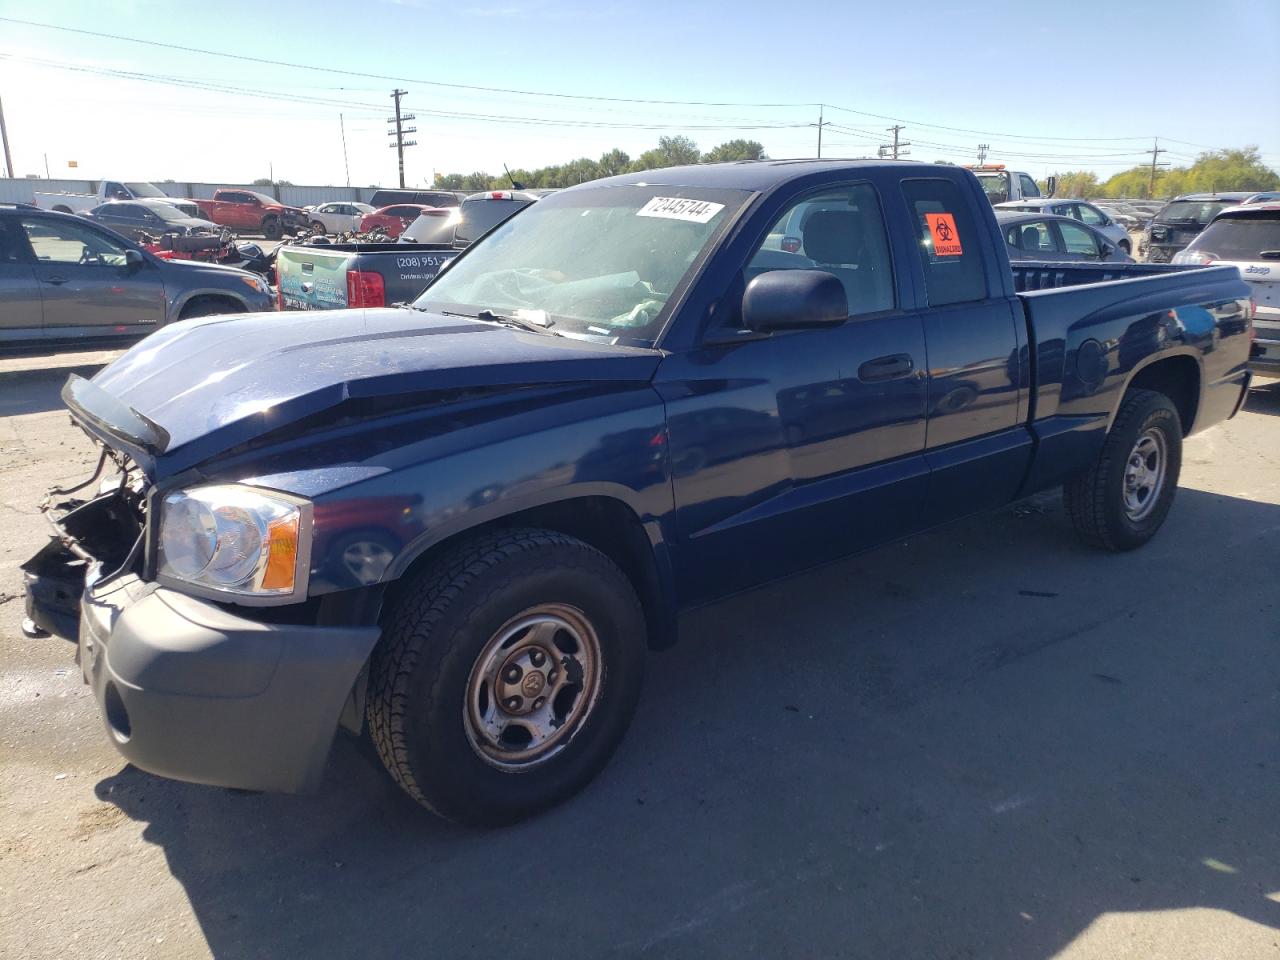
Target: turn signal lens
[{"x": 282, "y": 554}]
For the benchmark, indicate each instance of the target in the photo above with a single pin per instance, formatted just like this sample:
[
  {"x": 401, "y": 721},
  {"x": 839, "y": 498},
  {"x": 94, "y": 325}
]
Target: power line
[{"x": 266, "y": 61}]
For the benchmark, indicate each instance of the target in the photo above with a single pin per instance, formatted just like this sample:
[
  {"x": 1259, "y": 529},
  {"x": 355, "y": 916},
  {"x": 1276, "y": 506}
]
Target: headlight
[
  {"x": 256, "y": 282},
  {"x": 236, "y": 540}
]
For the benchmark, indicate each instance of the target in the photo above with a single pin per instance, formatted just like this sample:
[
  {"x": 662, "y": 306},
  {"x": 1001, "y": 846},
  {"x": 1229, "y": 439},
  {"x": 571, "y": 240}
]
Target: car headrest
[
  {"x": 1030, "y": 238},
  {"x": 833, "y": 236}
]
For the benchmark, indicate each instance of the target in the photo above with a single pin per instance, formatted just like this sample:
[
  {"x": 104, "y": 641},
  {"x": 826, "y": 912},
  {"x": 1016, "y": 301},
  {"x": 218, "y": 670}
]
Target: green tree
[
  {"x": 1077, "y": 184},
  {"x": 670, "y": 152},
  {"x": 1213, "y": 171},
  {"x": 735, "y": 150},
  {"x": 614, "y": 162}
]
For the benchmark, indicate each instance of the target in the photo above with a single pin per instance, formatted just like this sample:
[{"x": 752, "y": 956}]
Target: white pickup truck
[
  {"x": 1001, "y": 185},
  {"x": 107, "y": 190}
]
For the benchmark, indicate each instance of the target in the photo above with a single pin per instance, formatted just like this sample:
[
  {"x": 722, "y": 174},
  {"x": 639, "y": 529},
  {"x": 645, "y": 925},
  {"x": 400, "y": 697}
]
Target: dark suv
[
  {"x": 1181, "y": 219},
  {"x": 65, "y": 278}
]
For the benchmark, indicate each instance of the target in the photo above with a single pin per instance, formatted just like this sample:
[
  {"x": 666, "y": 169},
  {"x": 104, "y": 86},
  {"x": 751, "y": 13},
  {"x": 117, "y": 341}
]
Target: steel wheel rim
[
  {"x": 1144, "y": 474},
  {"x": 533, "y": 686}
]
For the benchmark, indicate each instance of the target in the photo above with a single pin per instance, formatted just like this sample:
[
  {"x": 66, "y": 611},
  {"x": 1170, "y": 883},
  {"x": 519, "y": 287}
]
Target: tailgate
[
  {"x": 312, "y": 278},
  {"x": 1263, "y": 278}
]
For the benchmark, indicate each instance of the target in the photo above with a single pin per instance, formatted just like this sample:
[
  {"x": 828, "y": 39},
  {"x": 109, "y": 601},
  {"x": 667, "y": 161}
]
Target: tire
[
  {"x": 271, "y": 228},
  {"x": 1106, "y": 504},
  {"x": 1127, "y": 247},
  {"x": 318, "y": 229},
  {"x": 208, "y": 307},
  {"x": 433, "y": 714}
]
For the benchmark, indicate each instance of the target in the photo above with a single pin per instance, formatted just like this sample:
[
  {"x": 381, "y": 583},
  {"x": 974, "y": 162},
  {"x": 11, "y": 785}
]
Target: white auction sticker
[{"x": 680, "y": 208}]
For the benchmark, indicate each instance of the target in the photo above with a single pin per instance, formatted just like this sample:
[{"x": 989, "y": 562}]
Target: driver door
[{"x": 86, "y": 287}]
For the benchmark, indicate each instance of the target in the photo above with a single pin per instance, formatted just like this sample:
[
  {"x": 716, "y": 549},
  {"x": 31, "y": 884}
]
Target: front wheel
[
  {"x": 1126, "y": 248},
  {"x": 1122, "y": 500},
  {"x": 271, "y": 228},
  {"x": 507, "y": 674}
]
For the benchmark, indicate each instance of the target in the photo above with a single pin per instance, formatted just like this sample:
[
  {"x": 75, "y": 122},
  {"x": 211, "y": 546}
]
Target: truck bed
[{"x": 317, "y": 277}]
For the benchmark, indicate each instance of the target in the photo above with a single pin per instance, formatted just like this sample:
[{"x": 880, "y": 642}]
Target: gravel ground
[{"x": 985, "y": 742}]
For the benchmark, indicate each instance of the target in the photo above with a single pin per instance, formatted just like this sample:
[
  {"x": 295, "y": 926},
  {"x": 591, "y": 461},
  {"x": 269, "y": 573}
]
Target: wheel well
[
  {"x": 1178, "y": 378},
  {"x": 606, "y": 524},
  {"x": 192, "y": 306}
]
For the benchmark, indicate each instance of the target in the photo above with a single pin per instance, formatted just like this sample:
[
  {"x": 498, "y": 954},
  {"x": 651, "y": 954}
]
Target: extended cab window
[
  {"x": 840, "y": 231},
  {"x": 948, "y": 242}
]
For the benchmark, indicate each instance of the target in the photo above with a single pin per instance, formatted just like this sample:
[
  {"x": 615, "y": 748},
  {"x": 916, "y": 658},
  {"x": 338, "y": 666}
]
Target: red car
[{"x": 395, "y": 218}]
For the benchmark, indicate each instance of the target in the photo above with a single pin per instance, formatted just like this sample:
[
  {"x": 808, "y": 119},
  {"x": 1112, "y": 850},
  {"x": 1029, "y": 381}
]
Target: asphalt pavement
[{"x": 984, "y": 742}]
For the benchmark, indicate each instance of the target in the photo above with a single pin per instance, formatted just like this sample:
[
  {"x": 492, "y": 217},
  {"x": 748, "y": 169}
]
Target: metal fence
[{"x": 22, "y": 190}]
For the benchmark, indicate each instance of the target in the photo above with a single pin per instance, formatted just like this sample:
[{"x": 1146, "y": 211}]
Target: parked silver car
[
  {"x": 1079, "y": 210},
  {"x": 339, "y": 216}
]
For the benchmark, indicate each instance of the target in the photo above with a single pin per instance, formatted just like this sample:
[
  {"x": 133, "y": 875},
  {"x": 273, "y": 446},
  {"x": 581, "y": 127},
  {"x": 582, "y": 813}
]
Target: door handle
[
  {"x": 56, "y": 281},
  {"x": 893, "y": 367}
]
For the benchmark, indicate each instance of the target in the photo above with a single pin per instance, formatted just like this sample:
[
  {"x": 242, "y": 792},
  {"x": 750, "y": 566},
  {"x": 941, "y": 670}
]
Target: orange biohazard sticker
[{"x": 946, "y": 238}]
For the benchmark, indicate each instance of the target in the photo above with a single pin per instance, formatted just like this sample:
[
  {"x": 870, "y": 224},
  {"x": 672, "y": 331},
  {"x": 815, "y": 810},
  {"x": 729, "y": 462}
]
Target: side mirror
[
  {"x": 1052, "y": 185},
  {"x": 133, "y": 259},
  {"x": 794, "y": 300}
]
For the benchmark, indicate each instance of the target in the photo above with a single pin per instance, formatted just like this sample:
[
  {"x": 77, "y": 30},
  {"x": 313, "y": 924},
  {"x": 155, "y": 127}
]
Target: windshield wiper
[{"x": 514, "y": 321}]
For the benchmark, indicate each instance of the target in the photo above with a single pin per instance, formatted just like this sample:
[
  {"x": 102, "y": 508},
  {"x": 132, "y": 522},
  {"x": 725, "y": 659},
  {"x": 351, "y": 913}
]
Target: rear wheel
[
  {"x": 1122, "y": 500},
  {"x": 507, "y": 674}
]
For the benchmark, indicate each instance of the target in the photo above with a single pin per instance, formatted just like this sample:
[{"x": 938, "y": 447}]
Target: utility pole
[
  {"x": 821, "y": 123},
  {"x": 894, "y": 150},
  {"x": 1156, "y": 150},
  {"x": 401, "y": 130},
  {"x": 4, "y": 135},
  {"x": 342, "y": 125},
  {"x": 982, "y": 153}
]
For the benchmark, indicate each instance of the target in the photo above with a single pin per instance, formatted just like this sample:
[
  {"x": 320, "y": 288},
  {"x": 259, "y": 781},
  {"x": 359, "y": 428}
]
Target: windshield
[
  {"x": 261, "y": 196},
  {"x": 1195, "y": 211},
  {"x": 170, "y": 214},
  {"x": 478, "y": 217},
  {"x": 144, "y": 190},
  {"x": 600, "y": 261},
  {"x": 996, "y": 186},
  {"x": 1239, "y": 238}
]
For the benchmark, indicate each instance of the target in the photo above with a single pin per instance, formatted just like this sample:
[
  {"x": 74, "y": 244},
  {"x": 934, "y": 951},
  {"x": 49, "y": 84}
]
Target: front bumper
[{"x": 192, "y": 690}]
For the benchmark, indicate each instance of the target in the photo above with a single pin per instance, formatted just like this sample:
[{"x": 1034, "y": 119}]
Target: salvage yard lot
[{"x": 987, "y": 741}]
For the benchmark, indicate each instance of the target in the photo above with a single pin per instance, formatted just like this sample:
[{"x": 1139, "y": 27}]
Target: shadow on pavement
[
  {"x": 908, "y": 754},
  {"x": 1264, "y": 398},
  {"x": 36, "y": 391}
]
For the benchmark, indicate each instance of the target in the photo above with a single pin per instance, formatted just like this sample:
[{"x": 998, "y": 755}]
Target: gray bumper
[
  {"x": 1265, "y": 354},
  {"x": 190, "y": 690}
]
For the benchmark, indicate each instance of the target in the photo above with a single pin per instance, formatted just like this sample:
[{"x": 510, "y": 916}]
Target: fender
[{"x": 1178, "y": 351}]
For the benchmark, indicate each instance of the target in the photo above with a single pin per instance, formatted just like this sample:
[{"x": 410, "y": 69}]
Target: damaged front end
[{"x": 98, "y": 528}]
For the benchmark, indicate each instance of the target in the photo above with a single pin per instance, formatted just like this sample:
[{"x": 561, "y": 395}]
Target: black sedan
[
  {"x": 1042, "y": 236},
  {"x": 133, "y": 219}
]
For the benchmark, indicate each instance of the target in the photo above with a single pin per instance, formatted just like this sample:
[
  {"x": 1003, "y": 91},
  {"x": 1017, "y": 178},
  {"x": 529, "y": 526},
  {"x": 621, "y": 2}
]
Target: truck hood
[{"x": 200, "y": 387}]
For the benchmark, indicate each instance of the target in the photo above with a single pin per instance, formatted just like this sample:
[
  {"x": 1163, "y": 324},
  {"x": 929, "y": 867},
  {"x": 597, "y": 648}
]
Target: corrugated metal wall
[{"x": 21, "y": 191}]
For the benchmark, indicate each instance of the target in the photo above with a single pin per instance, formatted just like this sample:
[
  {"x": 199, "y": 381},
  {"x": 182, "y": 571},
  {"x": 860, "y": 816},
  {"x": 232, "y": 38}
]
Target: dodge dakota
[{"x": 459, "y": 524}]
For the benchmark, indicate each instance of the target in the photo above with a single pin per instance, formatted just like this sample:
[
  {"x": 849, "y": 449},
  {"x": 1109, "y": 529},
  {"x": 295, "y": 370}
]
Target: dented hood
[{"x": 198, "y": 388}]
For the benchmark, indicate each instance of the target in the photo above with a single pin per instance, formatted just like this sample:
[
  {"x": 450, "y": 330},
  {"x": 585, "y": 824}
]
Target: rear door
[
  {"x": 20, "y": 309},
  {"x": 86, "y": 286},
  {"x": 977, "y": 445}
]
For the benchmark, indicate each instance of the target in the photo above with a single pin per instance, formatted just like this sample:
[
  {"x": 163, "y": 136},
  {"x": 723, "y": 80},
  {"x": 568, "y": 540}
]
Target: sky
[{"x": 1085, "y": 85}]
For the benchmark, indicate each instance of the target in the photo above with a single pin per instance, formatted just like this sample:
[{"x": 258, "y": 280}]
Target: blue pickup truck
[{"x": 460, "y": 524}]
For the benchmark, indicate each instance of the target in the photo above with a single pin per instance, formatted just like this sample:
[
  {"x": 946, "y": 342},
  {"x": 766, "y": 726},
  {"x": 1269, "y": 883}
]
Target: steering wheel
[{"x": 86, "y": 256}]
